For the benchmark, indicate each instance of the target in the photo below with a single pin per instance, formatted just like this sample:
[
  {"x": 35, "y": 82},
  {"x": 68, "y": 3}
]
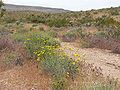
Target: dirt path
[
  {"x": 108, "y": 62},
  {"x": 27, "y": 77}
]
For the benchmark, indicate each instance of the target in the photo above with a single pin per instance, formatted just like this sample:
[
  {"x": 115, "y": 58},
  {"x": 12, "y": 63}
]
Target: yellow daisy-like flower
[
  {"x": 75, "y": 55},
  {"x": 73, "y": 63},
  {"x": 71, "y": 48},
  {"x": 78, "y": 59},
  {"x": 38, "y": 54}
]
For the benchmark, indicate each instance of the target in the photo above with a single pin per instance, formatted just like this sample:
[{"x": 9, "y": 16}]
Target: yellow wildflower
[
  {"x": 28, "y": 39},
  {"x": 38, "y": 54},
  {"x": 75, "y": 55},
  {"x": 71, "y": 48},
  {"x": 73, "y": 63},
  {"x": 78, "y": 59}
]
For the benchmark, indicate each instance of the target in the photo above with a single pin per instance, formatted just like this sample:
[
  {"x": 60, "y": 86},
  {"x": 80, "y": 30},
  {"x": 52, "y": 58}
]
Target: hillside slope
[{"x": 11, "y": 7}]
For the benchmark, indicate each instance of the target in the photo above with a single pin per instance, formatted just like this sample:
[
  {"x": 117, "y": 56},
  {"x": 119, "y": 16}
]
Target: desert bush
[
  {"x": 58, "y": 22},
  {"x": 19, "y": 37},
  {"x": 114, "y": 12},
  {"x": 6, "y": 43},
  {"x": 87, "y": 20},
  {"x": 69, "y": 36},
  {"x": 85, "y": 44},
  {"x": 4, "y": 31},
  {"x": 18, "y": 22},
  {"x": 106, "y": 22},
  {"x": 2, "y": 10},
  {"x": 58, "y": 65},
  {"x": 36, "y": 19},
  {"x": 72, "y": 35},
  {"x": 59, "y": 84},
  {"x": 44, "y": 48},
  {"x": 104, "y": 43},
  {"x": 52, "y": 33},
  {"x": 8, "y": 19},
  {"x": 36, "y": 40},
  {"x": 21, "y": 30}
]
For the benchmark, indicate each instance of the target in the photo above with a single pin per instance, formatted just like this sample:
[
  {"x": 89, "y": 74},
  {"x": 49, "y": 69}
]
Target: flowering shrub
[
  {"x": 37, "y": 41},
  {"x": 45, "y": 49}
]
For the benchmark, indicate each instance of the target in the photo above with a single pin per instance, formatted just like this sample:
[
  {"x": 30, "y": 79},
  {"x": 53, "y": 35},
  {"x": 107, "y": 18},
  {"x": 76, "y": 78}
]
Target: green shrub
[
  {"x": 36, "y": 19},
  {"x": 18, "y": 37},
  {"x": 59, "y": 84},
  {"x": 22, "y": 30},
  {"x": 102, "y": 34},
  {"x": 86, "y": 20},
  {"x": 107, "y": 22},
  {"x": 74, "y": 34},
  {"x": 58, "y": 22},
  {"x": 36, "y": 40},
  {"x": 4, "y": 31},
  {"x": 52, "y": 33},
  {"x": 114, "y": 12},
  {"x": 85, "y": 44},
  {"x": 8, "y": 19},
  {"x": 44, "y": 48}
]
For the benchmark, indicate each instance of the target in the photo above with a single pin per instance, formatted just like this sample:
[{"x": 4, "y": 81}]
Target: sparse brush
[{"x": 6, "y": 43}]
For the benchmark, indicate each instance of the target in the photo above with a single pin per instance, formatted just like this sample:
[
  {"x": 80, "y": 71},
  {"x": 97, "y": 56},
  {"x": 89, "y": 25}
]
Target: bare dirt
[{"x": 26, "y": 77}]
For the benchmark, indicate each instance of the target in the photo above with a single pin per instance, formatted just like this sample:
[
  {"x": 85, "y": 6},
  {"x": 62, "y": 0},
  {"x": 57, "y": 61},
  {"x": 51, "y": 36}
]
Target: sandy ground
[
  {"x": 108, "y": 62},
  {"x": 26, "y": 77}
]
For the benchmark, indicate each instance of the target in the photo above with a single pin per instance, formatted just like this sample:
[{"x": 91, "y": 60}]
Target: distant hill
[{"x": 11, "y": 7}]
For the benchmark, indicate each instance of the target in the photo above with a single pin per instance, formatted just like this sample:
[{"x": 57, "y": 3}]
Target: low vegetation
[{"x": 32, "y": 35}]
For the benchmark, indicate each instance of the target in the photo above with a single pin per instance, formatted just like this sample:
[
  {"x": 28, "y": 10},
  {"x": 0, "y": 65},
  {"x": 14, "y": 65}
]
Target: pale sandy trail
[{"x": 108, "y": 62}]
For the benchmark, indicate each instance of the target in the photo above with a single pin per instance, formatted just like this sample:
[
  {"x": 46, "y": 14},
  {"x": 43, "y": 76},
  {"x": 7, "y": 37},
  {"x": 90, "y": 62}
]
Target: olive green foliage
[
  {"x": 1, "y": 8},
  {"x": 86, "y": 19},
  {"x": 49, "y": 20},
  {"x": 19, "y": 37},
  {"x": 113, "y": 33},
  {"x": 4, "y": 31},
  {"x": 77, "y": 33},
  {"x": 8, "y": 19},
  {"x": 107, "y": 21},
  {"x": 58, "y": 22},
  {"x": 36, "y": 18},
  {"x": 44, "y": 48},
  {"x": 52, "y": 33},
  {"x": 35, "y": 41}
]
